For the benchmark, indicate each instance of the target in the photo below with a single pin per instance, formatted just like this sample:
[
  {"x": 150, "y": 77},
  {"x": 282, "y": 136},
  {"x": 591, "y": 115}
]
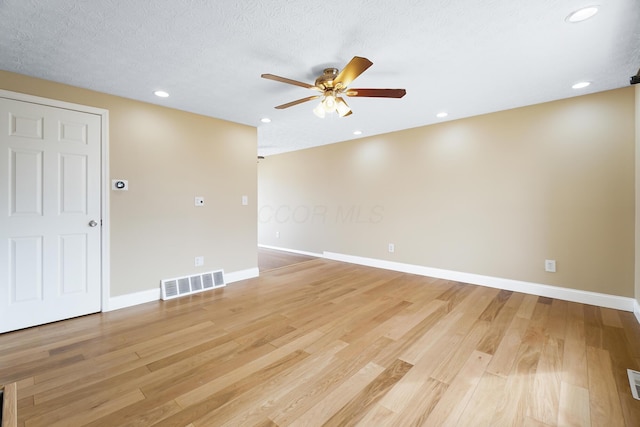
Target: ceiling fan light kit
[{"x": 332, "y": 83}]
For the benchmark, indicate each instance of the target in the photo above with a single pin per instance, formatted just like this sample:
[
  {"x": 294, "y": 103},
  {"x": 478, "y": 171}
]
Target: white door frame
[{"x": 105, "y": 267}]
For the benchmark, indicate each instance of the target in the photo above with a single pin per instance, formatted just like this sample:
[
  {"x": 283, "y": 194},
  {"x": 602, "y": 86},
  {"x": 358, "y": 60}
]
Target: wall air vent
[{"x": 187, "y": 285}]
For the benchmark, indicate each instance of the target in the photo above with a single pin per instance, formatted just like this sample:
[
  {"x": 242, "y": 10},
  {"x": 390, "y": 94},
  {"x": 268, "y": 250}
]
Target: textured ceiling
[{"x": 467, "y": 57}]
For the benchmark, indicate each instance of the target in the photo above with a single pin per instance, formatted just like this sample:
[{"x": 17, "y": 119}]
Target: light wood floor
[
  {"x": 268, "y": 259},
  {"x": 329, "y": 343}
]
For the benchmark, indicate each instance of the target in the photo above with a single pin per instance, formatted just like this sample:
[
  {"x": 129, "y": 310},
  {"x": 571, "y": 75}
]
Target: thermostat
[{"x": 119, "y": 184}]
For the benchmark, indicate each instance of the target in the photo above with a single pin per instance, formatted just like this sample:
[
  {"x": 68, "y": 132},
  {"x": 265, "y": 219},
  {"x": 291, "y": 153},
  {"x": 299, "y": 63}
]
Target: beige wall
[
  {"x": 494, "y": 195},
  {"x": 169, "y": 157}
]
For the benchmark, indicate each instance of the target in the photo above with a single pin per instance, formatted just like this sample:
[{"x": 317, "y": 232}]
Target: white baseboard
[
  {"x": 294, "y": 251},
  {"x": 237, "y": 276},
  {"x": 636, "y": 310},
  {"x": 567, "y": 294},
  {"x": 129, "y": 300}
]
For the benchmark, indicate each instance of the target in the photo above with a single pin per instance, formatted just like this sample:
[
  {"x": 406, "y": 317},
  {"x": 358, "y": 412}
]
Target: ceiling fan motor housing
[{"x": 325, "y": 81}]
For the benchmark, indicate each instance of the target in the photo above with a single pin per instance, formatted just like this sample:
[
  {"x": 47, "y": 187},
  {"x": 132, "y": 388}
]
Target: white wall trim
[
  {"x": 295, "y": 251},
  {"x": 105, "y": 214},
  {"x": 129, "y": 300},
  {"x": 636, "y": 310},
  {"x": 567, "y": 294},
  {"x": 237, "y": 276}
]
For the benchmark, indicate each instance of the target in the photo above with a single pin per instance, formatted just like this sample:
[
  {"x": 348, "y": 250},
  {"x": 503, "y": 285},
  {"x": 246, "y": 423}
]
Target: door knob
[{"x": 92, "y": 223}]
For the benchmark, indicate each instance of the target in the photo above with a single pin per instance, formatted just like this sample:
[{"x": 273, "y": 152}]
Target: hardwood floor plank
[
  {"x": 573, "y": 406},
  {"x": 500, "y": 321},
  {"x": 449, "y": 368},
  {"x": 610, "y": 317},
  {"x": 372, "y": 322},
  {"x": 299, "y": 400},
  {"x": 92, "y": 371},
  {"x": 480, "y": 410},
  {"x": 507, "y": 351},
  {"x": 167, "y": 384},
  {"x": 402, "y": 344},
  {"x": 603, "y": 397},
  {"x": 574, "y": 366},
  {"x": 632, "y": 332},
  {"x": 411, "y": 317},
  {"x": 460, "y": 319},
  {"x": 200, "y": 393},
  {"x": 513, "y": 409},
  {"x": 545, "y": 394},
  {"x": 527, "y": 307},
  {"x": 450, "y": 407},
  {"x": 199, "y": 406},
  {"x": 614, "y": 341},
  {"x": 253, "y": 407},
  {"x": 557, "y": 325},
  {"x": 269, "y": 259},
  {"x": 378, "y": 416},
  {"x": 455, "y": 294},
  {"x": 593, "y": 326},
  {"x": 400, "y": 395},
  {"x": 59, "y": 396},
  {"x": 419, "y": 404},
  {"x": 321, "y": 341},
  {"x": 493, "y": 309},
  {"x": 85, "y": 410},
  {"x": 357, "y": 407},
  {"x": 323, "y": 410}
]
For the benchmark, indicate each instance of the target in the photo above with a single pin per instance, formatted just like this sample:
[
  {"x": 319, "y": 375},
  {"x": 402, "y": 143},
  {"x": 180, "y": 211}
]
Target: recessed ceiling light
[
  {"x": 265, "y": 120},
  {"x": 580, "y": 85},
  {"x": 582, "y": 14},
  {"x": 357, "y": 132},
  {"x": 442, "y": 114},
  {"x": 161, "y": 93}
]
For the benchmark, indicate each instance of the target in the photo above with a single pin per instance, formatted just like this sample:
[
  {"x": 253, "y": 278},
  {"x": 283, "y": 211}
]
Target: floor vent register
[
  {"x": 634, "y": 382},
  {"x": 187, "y": 285}
]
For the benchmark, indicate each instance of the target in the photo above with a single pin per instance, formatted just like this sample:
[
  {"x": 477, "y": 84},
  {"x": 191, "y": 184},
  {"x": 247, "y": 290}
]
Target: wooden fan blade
[
  {"x": 353, "y": 69},
  {"x": 377, "y": 93},
  {"x": 286, "y": 80},
  {"x": 299, "y": 101}
]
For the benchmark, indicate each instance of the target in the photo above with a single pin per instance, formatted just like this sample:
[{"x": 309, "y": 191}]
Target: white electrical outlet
[
  {"x": 199, "y": 260},
  {"x": 245, "y": 200},
  {"x": 199, "y": 201},
  {"x": 277, "y": 234},
  {"x": 550, "y": 265},
  {"x": 392, "y": 247}
]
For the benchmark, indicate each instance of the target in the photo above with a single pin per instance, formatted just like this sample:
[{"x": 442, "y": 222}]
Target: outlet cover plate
[{"x": 550, "y": 265}]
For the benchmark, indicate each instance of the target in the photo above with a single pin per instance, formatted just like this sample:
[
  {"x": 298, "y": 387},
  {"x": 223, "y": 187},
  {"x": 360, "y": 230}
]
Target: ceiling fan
[{"x": 332, "y": 84}]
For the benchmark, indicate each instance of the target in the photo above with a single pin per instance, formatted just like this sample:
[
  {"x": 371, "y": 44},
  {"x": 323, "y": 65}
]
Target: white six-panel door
[{"x": 49, "y": 214}]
